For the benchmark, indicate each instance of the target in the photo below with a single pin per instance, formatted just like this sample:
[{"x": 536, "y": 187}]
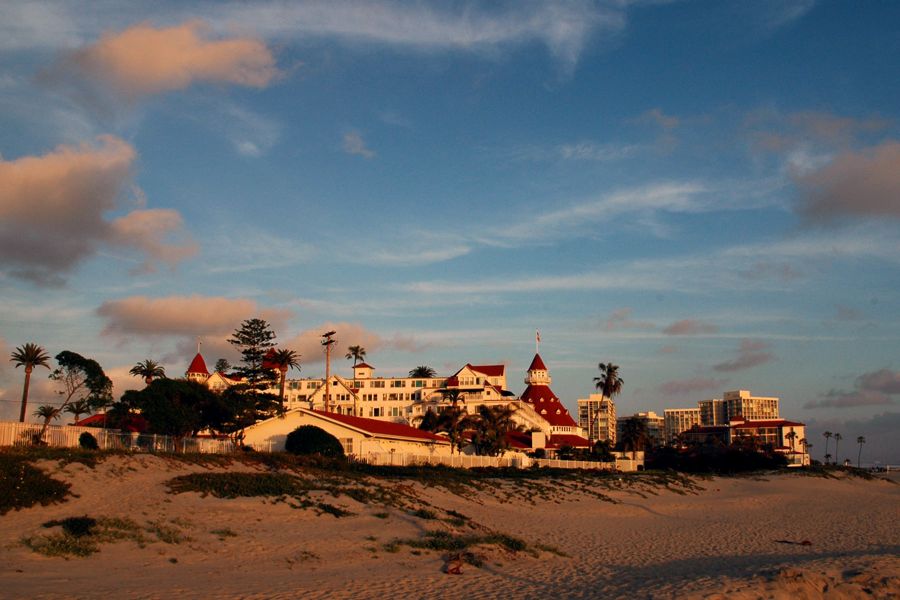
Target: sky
[{"x": 706, "y": 194}]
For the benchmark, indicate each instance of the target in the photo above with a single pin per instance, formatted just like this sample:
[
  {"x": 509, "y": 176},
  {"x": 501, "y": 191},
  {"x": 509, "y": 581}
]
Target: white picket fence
[
  {"x": 465, "y": 461},
  {"x": 67, "y": 436}
]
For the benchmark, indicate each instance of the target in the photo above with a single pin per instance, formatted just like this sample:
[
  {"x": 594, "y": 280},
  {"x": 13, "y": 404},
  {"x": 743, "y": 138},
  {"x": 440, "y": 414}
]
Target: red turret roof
[
  {"x": 198, "y": 365},
  {"x": 362, "y": 365},
  {"x": 547, "y": 405},
  {"x": 537, "y": 364}
]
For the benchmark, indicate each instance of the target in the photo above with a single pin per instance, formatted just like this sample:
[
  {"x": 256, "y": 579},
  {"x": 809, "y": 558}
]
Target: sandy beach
[{"x": 704, "y": 538}]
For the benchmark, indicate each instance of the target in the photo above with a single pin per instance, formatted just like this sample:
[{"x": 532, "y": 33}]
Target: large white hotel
[{"x": 544, "y": 421}]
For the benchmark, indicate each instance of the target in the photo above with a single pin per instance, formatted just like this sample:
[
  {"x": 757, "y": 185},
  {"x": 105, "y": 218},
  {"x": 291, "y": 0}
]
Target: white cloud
[{"x": 354, "y": 144}]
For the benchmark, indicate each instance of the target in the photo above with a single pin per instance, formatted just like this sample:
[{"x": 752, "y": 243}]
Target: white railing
[
  {"x": 67, "y": 436},
  {"x": 555, "y": 463},
  {"x": 463, "y": 461}
]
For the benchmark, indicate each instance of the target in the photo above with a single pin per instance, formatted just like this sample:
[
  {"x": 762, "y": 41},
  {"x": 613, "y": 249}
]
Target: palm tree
[
  {"x": 860, "y": 440},
  {"x": 357, "y": 353},
  {"x": 609, "y": 381},
  {"x": 837, "y": 444},
  {"x": 48, "y": 413},
  {"x": 78, "y": 408},
  {"x": 454, "y": 395},
  {"x": 423, "y": 371},
  {"x": 149, "y": 369},
  {"x": 491, "y": 429},
  {"x": 454, "y": 421},
  {"x": 790, "y": 437},
  {"x": 284, "y": 359},
  {"x": 634, "y": 435},
  {"x": 29, "y": 356},
  {"x": 827, "y": 435}
]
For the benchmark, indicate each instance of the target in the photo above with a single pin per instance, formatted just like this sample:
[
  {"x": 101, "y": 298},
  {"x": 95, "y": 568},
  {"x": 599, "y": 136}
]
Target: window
[
  {"x": 378, "y": 383},
  {"x": 398, "y": 383},
  {"x": 418, "y": 383},
  {"x": 347, "y": 443}
]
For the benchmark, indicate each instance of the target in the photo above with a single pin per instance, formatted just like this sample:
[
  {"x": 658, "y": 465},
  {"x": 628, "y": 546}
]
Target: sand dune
[{"x": 717, "y": 539}]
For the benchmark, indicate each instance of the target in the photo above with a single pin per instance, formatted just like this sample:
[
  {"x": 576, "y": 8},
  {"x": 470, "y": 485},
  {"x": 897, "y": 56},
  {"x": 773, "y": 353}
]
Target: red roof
[
  {"x": 567, "y": 439},
  {"x": 363, "y": 366},
  {"x": 377, "y": 427},
  {"x": 519, "y": 440},
  {"x": 452, "y": 381},
  {"x": 198, "y": 365},
  {"x": 767, "y": 423},
  {"x": 489, "y": 370},
  {"x": 547, "y": 405},
  {"x": 133, "y": 423},
  {"x": 537, "y": 364}
]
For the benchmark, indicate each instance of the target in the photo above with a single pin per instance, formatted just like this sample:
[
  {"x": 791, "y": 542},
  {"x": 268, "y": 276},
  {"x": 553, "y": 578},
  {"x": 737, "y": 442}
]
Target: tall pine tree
[{"x": 254, "y": 339}]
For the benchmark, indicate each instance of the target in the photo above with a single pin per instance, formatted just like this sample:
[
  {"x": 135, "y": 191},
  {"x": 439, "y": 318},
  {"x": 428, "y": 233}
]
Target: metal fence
[{"x": 68, "y": 436}]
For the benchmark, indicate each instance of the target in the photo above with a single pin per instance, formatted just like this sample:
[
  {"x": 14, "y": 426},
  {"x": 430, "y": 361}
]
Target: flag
[{"x": 537, "y": 336}]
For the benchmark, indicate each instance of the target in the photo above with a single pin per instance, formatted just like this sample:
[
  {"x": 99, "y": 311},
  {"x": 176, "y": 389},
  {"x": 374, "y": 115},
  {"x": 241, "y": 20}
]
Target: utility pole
[{"x": 328, "y": 342}]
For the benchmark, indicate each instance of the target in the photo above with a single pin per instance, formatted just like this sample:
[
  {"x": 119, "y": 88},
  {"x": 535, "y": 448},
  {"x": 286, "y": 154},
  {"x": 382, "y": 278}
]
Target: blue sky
[{"x": 705, "y": 193}]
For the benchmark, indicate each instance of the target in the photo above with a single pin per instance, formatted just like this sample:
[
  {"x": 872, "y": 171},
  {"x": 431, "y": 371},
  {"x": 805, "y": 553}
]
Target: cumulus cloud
[
  {"x": 53, "y": 212},
  {"x": 621, "y": 319},
  {"x": 751, "y": 353},
  {"x": 308, "y": 343},
  {"x": 692, "y": 386},
  {"x": 354, "y": 144},
  {"x": 143, "y": 60},
  {"x": 183, "y": 316},
  {"x": 863, "y": 183},
  {"x": 690, "y": 327}
]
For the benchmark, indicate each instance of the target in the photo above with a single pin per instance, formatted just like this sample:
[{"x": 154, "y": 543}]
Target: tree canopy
[
  {"x": 254, "y": 339},
  {"x": 423, "y": 371}
]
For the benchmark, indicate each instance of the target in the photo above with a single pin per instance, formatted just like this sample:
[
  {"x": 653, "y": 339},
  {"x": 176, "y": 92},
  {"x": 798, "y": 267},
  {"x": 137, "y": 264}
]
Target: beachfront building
[
  {"x": 563, "y": 430},
  {"x": 678, "y": 420},
  {"x": 778, "y": 434},
  {"x": 713, "y": 412},
  {"x": 405, "y": 400},
  {"x": 358, "y": 436},
  {"x": 654, "y": 426},
  {"x": 597, "y": 418},
  {"x": 741, "y": 404}
]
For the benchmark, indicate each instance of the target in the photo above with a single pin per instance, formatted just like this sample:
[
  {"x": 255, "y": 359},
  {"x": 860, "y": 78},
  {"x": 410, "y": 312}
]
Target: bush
[
  {"x": 23, "y": 485},
  {"x": 309, "y": 439},
  {"x": 88, "y": 441}
]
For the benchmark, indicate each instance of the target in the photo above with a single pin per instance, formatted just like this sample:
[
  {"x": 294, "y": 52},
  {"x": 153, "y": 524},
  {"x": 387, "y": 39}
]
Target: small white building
[{"x": 358, "y": 436}]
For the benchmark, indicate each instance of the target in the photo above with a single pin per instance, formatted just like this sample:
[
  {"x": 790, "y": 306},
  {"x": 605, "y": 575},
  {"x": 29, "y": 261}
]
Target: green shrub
[
  {"x": 88, "y": 441},
  {"x": 309, "y": 439}
]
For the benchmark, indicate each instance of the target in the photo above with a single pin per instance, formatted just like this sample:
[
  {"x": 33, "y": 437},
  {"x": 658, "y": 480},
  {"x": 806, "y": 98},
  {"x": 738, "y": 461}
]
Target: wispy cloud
[
  {"x": 751, "y": 353},
  {"x": 690, "y": 327},
  {"x": 353, "y": 143},
  {"x": 255, "y": 249},
  {"x": 621, "y": 319},
  {"x": 692, "y": 386}
]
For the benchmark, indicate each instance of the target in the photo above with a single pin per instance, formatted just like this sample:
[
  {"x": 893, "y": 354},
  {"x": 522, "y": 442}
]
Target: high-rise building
[
  {"x": 597, "y": 417},
  {"x": 654, "y": 425},
  {"x": 679, "y": 419},
  {"x": 740, "y": 404},
  {"x": 713, "y": 412}
]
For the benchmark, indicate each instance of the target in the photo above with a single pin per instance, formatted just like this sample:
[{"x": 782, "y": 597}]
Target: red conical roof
[
  {"x": 537, "y": 364},
  {"x": 198, "y": 365}
]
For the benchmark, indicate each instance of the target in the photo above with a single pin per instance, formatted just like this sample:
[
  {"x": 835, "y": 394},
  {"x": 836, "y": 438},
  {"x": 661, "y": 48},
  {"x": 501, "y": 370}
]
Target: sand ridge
[{"x": 712, "y": 538}]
